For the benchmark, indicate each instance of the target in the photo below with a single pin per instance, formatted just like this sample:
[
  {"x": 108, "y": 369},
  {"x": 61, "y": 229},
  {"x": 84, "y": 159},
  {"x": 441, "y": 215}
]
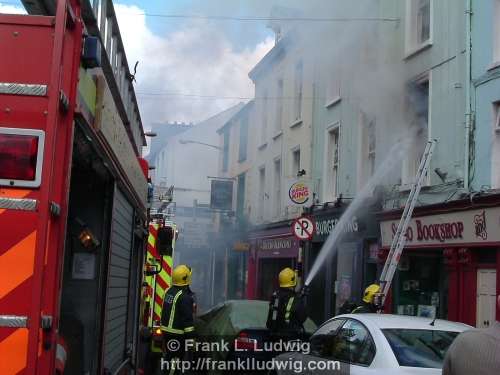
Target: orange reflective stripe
[
  {"x": 19, "y": 258},
  {"x": 13, "y": 193},
  {"x": 14, "y": 350}
]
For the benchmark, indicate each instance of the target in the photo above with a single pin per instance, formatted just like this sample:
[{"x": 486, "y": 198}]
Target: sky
[{"x": 190, "y": 68}]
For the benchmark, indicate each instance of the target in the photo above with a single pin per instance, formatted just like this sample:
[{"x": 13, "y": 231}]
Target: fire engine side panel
[{"x": 36, "y": 51}]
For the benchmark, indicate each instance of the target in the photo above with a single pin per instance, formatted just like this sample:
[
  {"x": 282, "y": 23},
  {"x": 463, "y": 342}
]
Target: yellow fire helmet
[
  {"x": 181, "y": 276},
  {"x": 370, "y": 292},
  {"x": 287, "y": 278}
]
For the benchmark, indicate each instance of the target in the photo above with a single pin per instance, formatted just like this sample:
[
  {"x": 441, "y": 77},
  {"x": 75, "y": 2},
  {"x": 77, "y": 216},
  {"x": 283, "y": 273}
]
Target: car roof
[{"x": 388, "y": 321}]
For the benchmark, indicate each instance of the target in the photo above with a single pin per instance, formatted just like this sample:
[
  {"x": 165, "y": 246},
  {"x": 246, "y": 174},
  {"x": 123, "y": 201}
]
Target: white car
[{"x": 368, "y": 344}]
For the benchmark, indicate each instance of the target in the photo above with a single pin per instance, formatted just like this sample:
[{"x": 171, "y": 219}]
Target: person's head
[
  {"x": 181, "y": 275},
  {"x": 287, "y": 278},
  {"x": 370, "y": 292}
]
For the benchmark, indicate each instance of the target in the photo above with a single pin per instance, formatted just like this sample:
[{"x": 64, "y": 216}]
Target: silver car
[{"x": 371, "y": 344}]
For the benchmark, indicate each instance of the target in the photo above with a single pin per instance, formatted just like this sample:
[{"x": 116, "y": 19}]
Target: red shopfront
[
  {"x": 271, "y": 251},
  {"x": 451, "y": 263}
]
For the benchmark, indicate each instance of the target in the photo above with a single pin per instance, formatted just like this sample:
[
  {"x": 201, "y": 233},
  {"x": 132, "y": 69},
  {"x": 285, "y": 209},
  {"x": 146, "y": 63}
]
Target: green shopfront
[{"x": 348, "y": 268}]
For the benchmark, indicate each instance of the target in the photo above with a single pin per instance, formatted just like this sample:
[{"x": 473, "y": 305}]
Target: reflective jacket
[
  {"x": 287, "y": 312},
  {"x": 177, "y": 313}
]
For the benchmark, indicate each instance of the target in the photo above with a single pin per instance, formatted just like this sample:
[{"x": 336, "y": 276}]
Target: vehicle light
[
  {"x": 18, "y": 156},
  {"x": 243, "y": 342},
  {"x": 158, "y": 331}
]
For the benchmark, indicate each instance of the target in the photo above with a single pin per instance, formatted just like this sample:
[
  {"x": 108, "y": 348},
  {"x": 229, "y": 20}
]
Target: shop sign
[
  {"x": 466, "y": 227},
  {"x": 271, "y": 244},
  {"x": 325, "y": 226},
  {"x": 299, "y": 193}
]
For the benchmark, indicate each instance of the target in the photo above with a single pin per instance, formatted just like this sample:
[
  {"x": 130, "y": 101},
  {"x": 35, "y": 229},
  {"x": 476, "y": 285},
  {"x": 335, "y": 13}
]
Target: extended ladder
[{"x": 399, "y": 240}]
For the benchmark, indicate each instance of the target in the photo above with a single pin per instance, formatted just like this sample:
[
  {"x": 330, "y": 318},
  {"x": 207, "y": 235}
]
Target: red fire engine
[{"x": 72, "y": 202}]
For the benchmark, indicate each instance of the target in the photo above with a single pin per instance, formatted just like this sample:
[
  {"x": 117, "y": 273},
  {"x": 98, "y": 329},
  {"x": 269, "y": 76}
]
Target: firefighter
[
  {"x": 368, "y": 305},
  {"x": 177, "y": 322},
  {"x": 287, "y": 310}
]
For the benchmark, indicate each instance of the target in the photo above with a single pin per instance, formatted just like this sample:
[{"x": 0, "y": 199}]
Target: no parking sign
[{"x": 303, "y": 228}]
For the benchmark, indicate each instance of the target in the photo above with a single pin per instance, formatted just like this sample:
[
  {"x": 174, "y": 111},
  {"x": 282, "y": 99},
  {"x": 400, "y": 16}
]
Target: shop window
[{"x": 418, "y": 24}]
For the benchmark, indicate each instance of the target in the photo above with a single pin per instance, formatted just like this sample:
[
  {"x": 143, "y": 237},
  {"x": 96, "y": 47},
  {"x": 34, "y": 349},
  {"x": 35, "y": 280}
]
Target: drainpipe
[{"x": 468, "y": 96}]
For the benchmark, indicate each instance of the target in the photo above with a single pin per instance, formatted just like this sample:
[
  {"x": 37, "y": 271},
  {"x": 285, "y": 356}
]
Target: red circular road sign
[{"x": 303, "y": 228}]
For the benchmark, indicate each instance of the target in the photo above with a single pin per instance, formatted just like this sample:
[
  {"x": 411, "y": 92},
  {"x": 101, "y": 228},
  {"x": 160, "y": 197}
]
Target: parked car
[
  {"x": 242, "y": 323},
  {"x": 367, "y": 344}
]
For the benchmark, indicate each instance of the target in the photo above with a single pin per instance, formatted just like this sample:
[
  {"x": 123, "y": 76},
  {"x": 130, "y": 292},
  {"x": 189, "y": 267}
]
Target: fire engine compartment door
[{"x": 117, "y": 296}]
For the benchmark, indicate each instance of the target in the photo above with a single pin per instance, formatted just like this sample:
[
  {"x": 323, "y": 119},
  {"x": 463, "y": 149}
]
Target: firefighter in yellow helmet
[
  {"x": 177, "y": 321},
  {"x": 368, "y": 305},
  {"x": 287, "y": 310}
]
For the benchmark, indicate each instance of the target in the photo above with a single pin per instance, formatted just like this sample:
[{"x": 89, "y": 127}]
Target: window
[
  {"x": 279, "y": 106},
  {"x": 496, "y": 30},
  {"x": 354, "y": 344},
  {"x": 242, "y": 150},
  {"x": 333, "y": 164},
  {"x": 418, "y": 107},
  {"x": 262, "y": 192},
  {"x": 225, "y": 151},
  {"x": 323, "y": 339},
  {"x": 299, "y": 73},
  {"x": 418, "y": 24},
  {"x": 295, "y": 162},
  {"x": 496, "y": 116},
  {"x": 367, "y": 148},
  {"x": 263, "y": 128},
  {"x": 419, "y": 347},
  {"x": 332, "y": 88},
  {"x": 277, "y": 188},
  {"x": 240, "y": 196}
]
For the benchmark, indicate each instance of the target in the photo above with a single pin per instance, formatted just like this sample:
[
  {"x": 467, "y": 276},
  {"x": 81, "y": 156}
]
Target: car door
[{"x": 320, "y": 349}]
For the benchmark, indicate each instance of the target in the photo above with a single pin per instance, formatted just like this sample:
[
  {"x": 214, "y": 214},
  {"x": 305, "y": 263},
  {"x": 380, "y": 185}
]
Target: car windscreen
[{"x": 419, "y": 347}]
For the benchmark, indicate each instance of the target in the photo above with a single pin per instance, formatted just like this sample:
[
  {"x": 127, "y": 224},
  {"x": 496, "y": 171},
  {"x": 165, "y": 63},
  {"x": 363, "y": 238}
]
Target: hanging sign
[{"x": 299, "y": 192}]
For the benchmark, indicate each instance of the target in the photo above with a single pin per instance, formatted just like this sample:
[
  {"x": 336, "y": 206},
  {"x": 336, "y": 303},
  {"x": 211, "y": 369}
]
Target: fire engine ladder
[{"x": 399, "y": 240}]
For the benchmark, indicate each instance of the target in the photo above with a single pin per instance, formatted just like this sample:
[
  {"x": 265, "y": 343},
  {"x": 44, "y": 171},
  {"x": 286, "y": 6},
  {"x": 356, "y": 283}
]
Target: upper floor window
[
  {"x": 496, "y": 30},
  {"x": 262, "y": 193},
  {"x": 263, "y": 128},
  {"x": 331, "y": 178},
  {"x": 243, "y": 144},
  {"x": 496, "y": 116},
  {"x": 225, "y": 152},
  {"x": 418, "y": 24},
  {"x": 277, "y": 188},
  {"x": 279, "y": 105},
  {"x": 332, "y": 88},
  {"x": 295, "y": 162},
  {"x": 418, "y": 107},
  {"x": 299, "y": 77}
]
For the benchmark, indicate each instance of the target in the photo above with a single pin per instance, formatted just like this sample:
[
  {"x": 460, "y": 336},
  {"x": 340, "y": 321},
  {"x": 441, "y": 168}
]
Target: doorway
[{"x": 486, "y": 297}]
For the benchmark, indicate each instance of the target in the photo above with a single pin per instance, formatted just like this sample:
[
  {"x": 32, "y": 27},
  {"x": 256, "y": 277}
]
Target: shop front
[
  {"x": 271, "y": 250},
  {"x": 350, "y": 265},
  {"x": 450, "y": 264}
]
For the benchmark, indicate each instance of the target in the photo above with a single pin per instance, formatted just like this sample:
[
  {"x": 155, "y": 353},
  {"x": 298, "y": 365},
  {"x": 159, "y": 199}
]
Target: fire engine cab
[{"x": 73, "y": 195}]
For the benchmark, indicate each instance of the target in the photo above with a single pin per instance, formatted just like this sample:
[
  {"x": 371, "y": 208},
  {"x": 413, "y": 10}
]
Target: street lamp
[{"x": 187, "y": 141}]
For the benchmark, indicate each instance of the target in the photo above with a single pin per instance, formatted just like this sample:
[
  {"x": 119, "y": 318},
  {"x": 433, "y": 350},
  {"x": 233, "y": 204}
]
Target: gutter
[{"x": 468, "y": 96}]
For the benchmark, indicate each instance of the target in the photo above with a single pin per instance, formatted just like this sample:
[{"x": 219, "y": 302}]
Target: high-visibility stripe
[
  {"x": 189, "y": 329},
  {"x": 289, "y": 309},
  {"x": 14, "y": 352},
  {"x": 172, "y": 312},
  {"x": 19, "y": 258},
  {"x": 172, "y": 330}
]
